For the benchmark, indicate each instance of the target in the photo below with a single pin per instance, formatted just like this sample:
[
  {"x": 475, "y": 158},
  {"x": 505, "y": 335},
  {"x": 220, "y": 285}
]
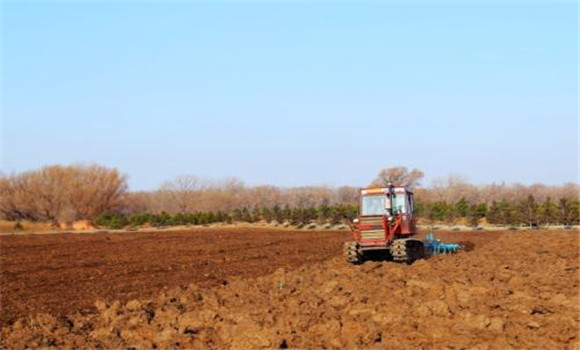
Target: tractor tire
[
  {"x": 407, "y": 250},
  {"x": 352, "y": 253},
  {"x": 398, "y": 250}
]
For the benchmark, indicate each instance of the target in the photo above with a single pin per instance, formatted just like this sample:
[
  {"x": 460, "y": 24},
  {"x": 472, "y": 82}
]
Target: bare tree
[
  {"x": 95, "y": 189},
  {"x": 399, "y": 176},
  {"x": 51, "y": 187},
  {"x": 139, "y": 202},
  {"x": 347, "y": 195},
  {"x": 54, "y": 193},
  {"x": 308, "y": 196},
  {"x": 184, "y": 191},
  {"x": 453, "y": 188},
  {"x": 15, "y": 201},
  {"x": 263, "y": 196}
]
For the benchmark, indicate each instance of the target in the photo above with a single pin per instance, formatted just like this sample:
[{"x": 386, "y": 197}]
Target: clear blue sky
[{"x": 293, "y": 93}]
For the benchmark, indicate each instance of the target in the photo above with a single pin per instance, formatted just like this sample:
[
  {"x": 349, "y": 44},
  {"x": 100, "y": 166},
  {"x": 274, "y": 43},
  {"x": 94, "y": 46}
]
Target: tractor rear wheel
[
  {"x": 352, "y": 253},
  {"x": 407, "y": 250}
]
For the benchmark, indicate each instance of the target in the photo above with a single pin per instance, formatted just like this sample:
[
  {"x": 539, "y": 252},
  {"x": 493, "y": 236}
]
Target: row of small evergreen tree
[
  {"x": 527, "y": 212},
  {"x": 321, "y": 214}
]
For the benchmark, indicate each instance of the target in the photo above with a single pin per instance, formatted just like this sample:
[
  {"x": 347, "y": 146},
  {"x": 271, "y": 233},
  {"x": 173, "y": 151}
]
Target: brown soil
[
  {"x": 62, "y": 273},
  {"x": 512, "y": 290}
]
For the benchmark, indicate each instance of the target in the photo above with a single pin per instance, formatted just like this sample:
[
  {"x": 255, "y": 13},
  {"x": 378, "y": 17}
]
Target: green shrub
[{"x": 111, "y": 221}]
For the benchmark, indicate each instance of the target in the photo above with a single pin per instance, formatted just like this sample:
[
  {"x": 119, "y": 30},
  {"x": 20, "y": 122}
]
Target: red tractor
[{"x": 385, "y": 227}]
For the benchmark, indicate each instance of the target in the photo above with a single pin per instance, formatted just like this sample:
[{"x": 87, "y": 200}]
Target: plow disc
[{"x": 434, "y": 246}]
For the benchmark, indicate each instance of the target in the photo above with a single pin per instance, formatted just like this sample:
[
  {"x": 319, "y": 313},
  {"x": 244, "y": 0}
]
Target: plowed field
[
  {"x": 250, "y": 288},
  {"x": 62, "y": 273}
]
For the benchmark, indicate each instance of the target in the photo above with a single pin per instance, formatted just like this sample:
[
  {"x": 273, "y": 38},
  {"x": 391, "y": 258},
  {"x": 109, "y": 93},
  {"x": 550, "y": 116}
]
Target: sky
[{"x": 293, "y": 94}]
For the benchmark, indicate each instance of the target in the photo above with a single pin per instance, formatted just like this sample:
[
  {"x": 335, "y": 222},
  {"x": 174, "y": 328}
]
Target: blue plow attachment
[{"x": 434, "y": 246}]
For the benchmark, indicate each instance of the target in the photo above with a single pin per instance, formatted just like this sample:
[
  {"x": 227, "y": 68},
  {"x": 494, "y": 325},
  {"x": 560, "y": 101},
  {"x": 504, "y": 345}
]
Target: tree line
[
  {"x": 93, "y": 192},
  {"x": 527, "y": 212},
  {"x": 331, "y": 215}
]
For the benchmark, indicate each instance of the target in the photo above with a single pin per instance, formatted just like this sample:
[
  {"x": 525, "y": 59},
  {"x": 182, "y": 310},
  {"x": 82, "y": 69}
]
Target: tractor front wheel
[{"x": 352, "y": 253}]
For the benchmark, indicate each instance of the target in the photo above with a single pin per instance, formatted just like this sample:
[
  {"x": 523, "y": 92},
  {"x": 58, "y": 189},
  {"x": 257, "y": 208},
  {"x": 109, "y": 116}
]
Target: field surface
[
  {"x": 256, "y": 288},
  {"x": 62, "y": 273}
]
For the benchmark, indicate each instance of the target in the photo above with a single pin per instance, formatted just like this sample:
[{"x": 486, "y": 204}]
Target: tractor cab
[{"x": 386, "y": 201}]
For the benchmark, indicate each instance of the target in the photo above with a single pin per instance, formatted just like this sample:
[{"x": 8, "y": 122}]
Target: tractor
[{"x": 385, "y": 227}]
